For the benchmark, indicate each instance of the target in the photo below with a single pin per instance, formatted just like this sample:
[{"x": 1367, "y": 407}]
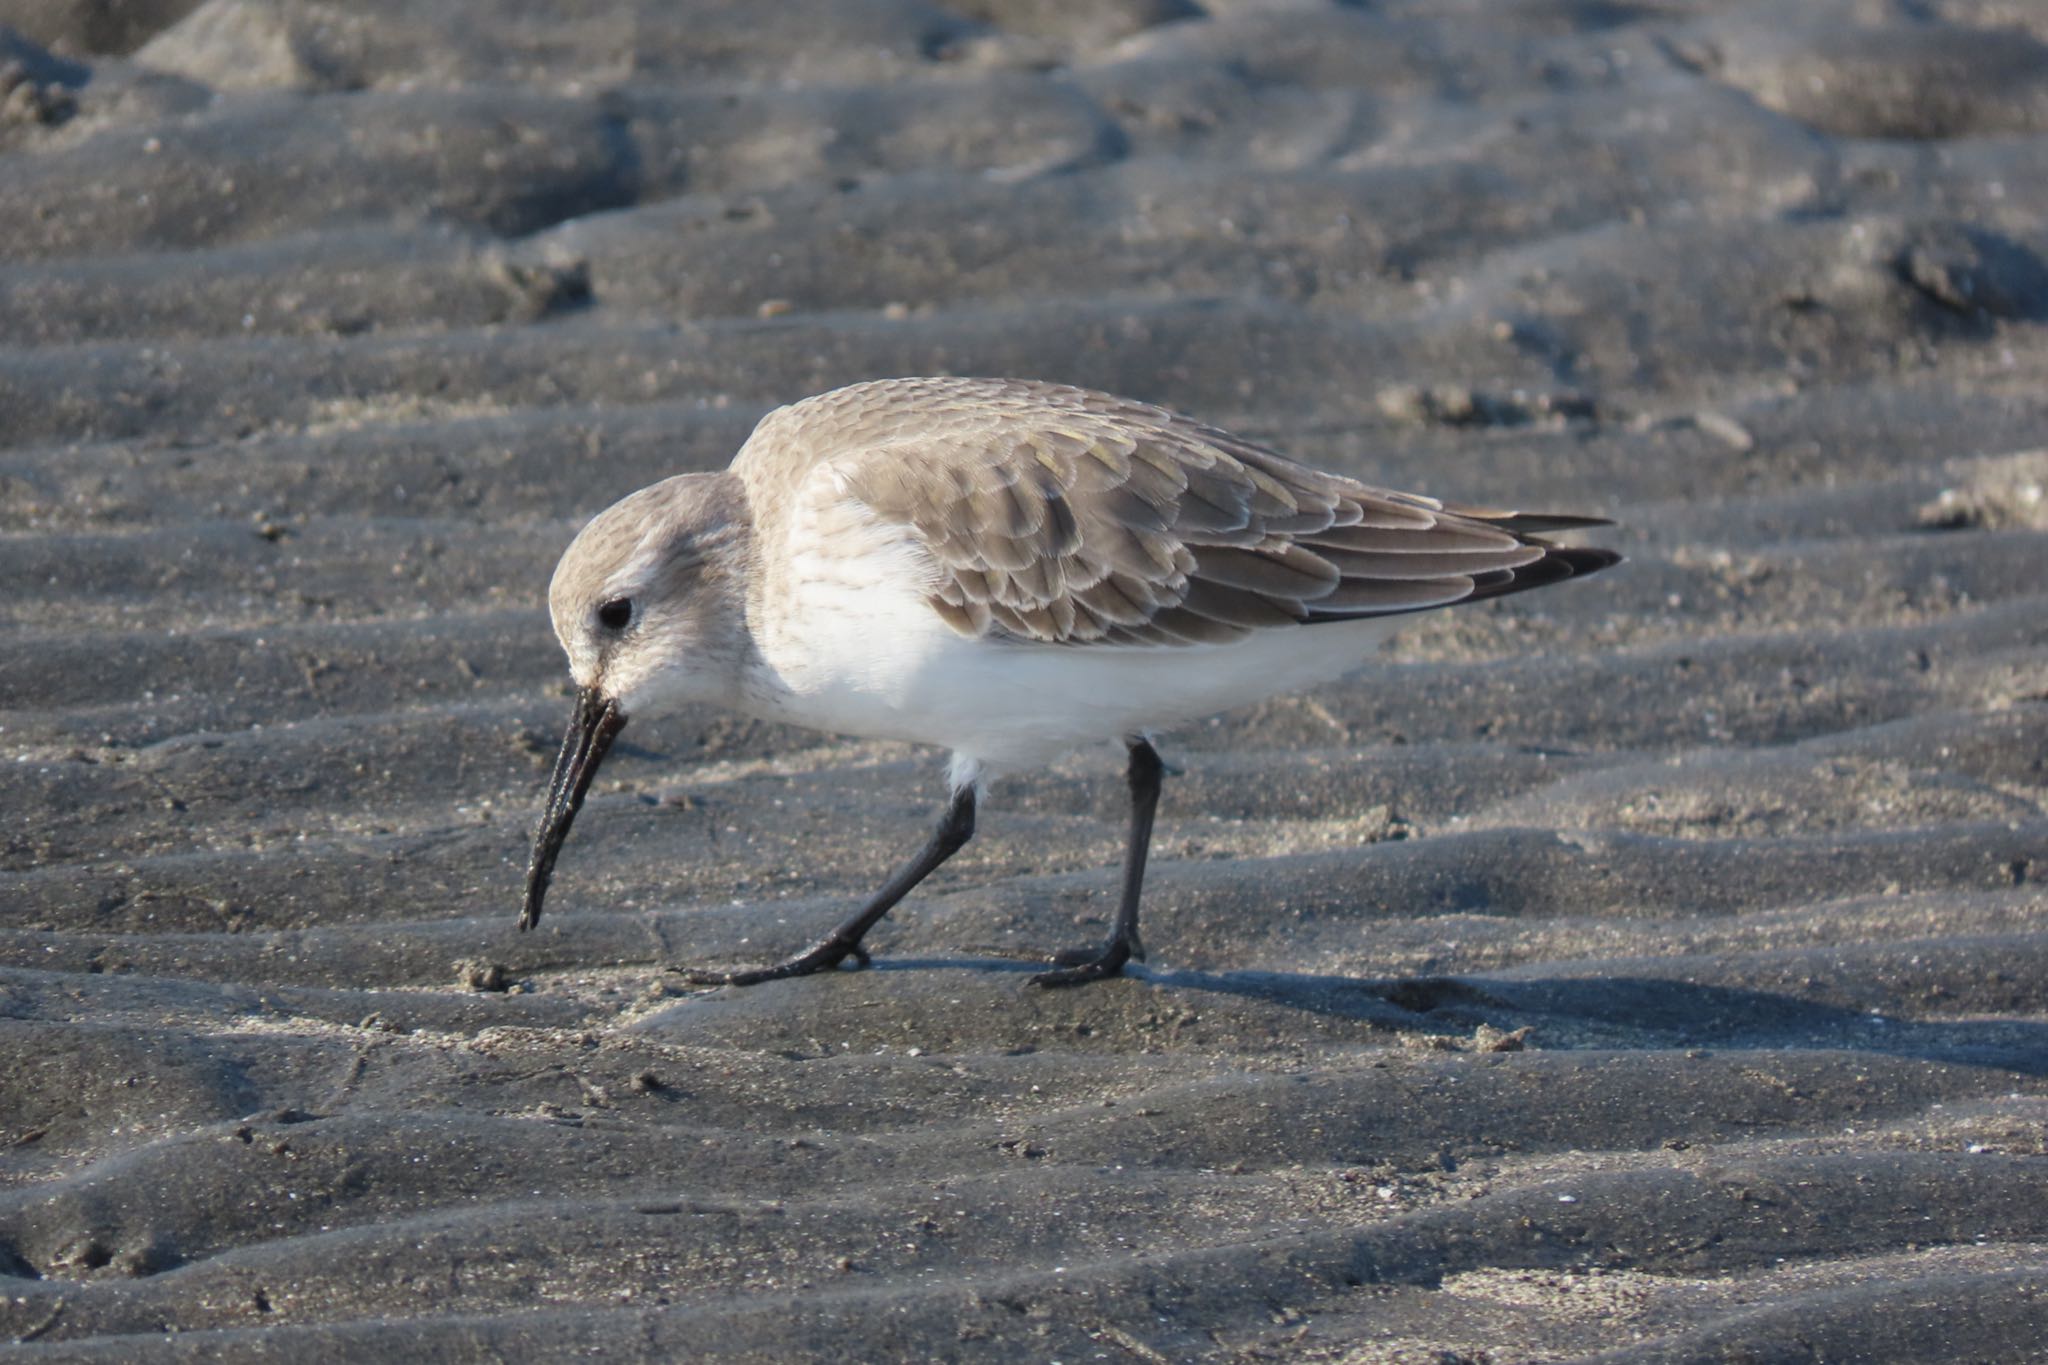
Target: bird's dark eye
[{"x": 615, "y": 614}]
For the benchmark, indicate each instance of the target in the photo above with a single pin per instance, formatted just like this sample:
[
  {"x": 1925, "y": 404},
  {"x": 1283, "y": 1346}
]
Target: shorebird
[{"x": 1008, "y": 569}]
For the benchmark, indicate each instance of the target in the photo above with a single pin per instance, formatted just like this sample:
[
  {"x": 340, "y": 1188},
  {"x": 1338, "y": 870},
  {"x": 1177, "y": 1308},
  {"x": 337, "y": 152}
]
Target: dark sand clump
[{"x": 1653, "y": 969}]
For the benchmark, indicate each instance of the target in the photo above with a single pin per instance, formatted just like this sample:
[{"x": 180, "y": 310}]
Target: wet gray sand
[{"x": 1654, "y": 969}]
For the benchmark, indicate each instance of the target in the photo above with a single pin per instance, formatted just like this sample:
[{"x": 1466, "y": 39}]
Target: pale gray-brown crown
[{"x": 621, "y": 597}]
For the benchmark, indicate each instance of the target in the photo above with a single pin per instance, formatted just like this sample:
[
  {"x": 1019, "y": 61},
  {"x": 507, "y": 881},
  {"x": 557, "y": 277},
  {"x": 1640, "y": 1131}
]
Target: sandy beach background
[{"x": 1651, "y": 969}]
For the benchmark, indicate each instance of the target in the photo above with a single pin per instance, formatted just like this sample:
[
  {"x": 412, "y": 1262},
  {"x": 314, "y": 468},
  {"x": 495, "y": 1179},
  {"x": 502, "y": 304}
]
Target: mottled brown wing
[{"x": 1068, "y": 517}]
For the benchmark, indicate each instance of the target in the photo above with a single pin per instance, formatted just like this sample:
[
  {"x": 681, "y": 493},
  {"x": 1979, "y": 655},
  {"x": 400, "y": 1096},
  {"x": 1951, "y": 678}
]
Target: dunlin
[{"x": 1008, "y": 569}]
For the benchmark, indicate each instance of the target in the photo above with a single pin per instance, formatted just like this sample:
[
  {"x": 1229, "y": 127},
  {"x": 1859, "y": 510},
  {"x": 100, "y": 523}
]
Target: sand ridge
[{"x": 1653, "y": 969}]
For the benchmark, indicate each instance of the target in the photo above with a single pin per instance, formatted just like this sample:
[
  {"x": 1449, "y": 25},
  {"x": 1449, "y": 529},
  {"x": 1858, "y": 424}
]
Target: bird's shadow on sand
[{"x": 1621, "y": 1010}]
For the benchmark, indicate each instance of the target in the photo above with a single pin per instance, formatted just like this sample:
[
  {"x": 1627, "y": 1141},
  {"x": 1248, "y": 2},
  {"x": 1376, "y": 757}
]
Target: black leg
[
  {"x": 955, "y": 828},
  {"x": 1092, "y": 964}
]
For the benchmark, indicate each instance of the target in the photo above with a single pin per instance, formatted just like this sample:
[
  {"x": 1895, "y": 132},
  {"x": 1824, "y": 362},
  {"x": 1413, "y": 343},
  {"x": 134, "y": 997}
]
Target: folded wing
[{"x": 1062, "y": 516}]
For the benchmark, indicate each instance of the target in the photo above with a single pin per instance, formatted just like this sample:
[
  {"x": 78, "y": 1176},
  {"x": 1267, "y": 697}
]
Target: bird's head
[{"x": 648, "y": 604}]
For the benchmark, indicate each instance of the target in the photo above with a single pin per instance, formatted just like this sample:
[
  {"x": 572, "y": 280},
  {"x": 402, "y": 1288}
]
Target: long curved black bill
[{"x": 595, "y": 724}]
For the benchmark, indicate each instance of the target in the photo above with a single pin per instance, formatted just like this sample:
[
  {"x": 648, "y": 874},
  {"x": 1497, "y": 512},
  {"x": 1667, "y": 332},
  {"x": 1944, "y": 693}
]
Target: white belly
[{"x": 852, "y": 647}]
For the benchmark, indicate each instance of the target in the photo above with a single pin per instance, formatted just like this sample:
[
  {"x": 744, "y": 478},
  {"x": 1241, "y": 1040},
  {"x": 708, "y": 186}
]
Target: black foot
[
  {"x": 1080, "y": 965},
  {"x": 821, "y": 956}
]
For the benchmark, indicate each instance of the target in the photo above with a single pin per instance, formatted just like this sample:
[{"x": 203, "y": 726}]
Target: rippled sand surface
[{"x": 1653, "y": 969}]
